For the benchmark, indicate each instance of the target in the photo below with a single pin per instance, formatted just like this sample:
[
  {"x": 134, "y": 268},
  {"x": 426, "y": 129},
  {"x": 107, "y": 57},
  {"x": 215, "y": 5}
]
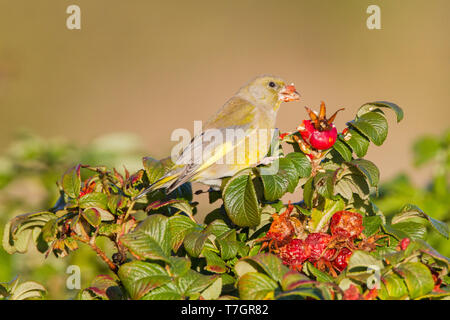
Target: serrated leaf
[
  {"x": 417, "y": 277},
  {"x": 71, "y": 182},
  {"x": 193, "y": 282},
  {"x": 179, "y": 226},
  {"x": 156, "y": 226},
  {"x": 194, "y": 242},
  {"x": 94, "y": 199},
  {"x": 140, "y": 277},
  {"x": 373, "y": 125},
  {"x": 301, "y": 163},
  {"x": 320, "y": 276},
  {"x": 92, "y": 215},
  {"x": 343, "y": 149},
  {"x": 213, "y": 262},
  {"x": 213, "y": 291},
  {"x": 362, "y": 259},
  {"x": 371, "y": 225},
  {"x": 368, "y": 169},
  {"x": 179, "y": 266},
  {"x": 392, "y": 288},
  {"x": 271, "y": 264},
  {"x": 368, "y": 107},
  {"x": 411, "y": 211},
  {"x": 49, "y": 230},
  {"x": 154, "y": 169},
  {"x": 357, "y": 142},
  {"x": 241, "y": 203},
  {"x": 414, "y": 230},
  {"x": 320, "y": 217},
  {"x": 143, "y": 246},
  {"x": 255, "y": 286}
]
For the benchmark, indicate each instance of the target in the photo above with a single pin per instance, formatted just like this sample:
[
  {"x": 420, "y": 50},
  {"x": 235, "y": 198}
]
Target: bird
[{"x": 248, "y": 118}]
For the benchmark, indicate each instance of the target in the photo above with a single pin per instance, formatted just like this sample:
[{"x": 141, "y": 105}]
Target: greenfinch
[{"x": 238, "y": 136}]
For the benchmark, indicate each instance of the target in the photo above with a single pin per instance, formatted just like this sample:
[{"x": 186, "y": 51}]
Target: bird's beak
[{"x": 288, "y": 93}]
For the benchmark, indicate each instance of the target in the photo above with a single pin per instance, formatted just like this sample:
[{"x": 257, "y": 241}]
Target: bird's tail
[{"x": 158, "y": 184}]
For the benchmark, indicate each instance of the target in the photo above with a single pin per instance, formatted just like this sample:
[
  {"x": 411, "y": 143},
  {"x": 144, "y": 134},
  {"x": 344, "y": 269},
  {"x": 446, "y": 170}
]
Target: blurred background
[{"x": 115, "y": 90}]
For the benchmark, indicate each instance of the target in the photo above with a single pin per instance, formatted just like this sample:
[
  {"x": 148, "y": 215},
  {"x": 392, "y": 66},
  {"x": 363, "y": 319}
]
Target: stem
[{"x": 99, "y": 252}]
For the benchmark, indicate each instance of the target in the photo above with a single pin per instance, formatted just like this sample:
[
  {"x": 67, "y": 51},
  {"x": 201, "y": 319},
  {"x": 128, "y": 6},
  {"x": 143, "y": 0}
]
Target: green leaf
[
  {"x": 194, "y": 243},
  {"x": 269, "y": 263},
  {"x": 418, "y": 278},
  {"x": 156, "y": 226},
  {"x": 92, "y": 215},
  {"x": 392, "y": 288},
  {"x": 154, "y": 169},
  {"x": 368, "y": 169},
  {"x": 140, "y": 277},
  {"x": 414, "y": 230},
  {"x": 106, "y": 288},
  {"x": 343, "y": 149},
  {"x": 411, "y": 211},
  {"x": 213, "y": 262},
  {"x": 293, "y": 279},
  {"x": 363, "y": 259},
  {"x": 143, "y": 246},
  {"x": 179, "y": 226},
  {"x": 71, "y": 182},
  {"x": 255, "y": 286},
  {"x": 320, "y": 276},
  {"x": 94, "y": 199},
  {"x": 169, "y": 291},
  {"x": 213, "y": 291},
  {"x": 179, "y": 266},
  {"x": 320, "y": 217},
  {"x": 371, "y": 225},
  {"x": 373, "y": 125},
  {"x": 371, "y": 106},
  {"x": 27, "y": 290},
  {"x": 241, "y": 203},
  {"x": 302, "y": 293},
  {"x": 49, "y": 230},
  {"x": 193, "y": 282},
  {"x": 357, "y": 142},
  {"x": 301, "y": 163}
]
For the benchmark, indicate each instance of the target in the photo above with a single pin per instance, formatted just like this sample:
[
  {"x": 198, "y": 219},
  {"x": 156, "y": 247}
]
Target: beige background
[{"x": 149, "y": 67}]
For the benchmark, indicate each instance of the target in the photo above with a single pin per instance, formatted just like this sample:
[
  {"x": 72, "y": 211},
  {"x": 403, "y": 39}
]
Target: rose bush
[{"x": 333, "y": 243}]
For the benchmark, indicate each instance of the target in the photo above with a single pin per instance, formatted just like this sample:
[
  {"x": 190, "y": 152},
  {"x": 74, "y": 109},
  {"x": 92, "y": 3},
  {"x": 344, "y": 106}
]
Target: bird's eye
[{"x": 272, "y": 84}]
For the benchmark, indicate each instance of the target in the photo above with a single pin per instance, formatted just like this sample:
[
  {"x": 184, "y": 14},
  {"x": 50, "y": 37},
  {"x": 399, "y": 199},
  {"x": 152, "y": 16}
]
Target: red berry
[
  {"x": 342, "y": 258},
  {"x": 404, "y": 243},
  {"x": 318, "y": 243},
  {"x": 294, "y": 253},
  {"x": 352, "y": 293},
  {"x": 318, "y": 139},
  {"x": 346, "y": 224}
]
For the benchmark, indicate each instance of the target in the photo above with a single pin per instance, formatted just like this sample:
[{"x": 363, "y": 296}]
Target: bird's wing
[{"x": 212, "y": 144}]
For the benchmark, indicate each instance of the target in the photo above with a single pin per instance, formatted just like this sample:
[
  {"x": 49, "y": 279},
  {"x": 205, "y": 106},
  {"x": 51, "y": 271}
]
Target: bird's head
[{"x": 269, "y": 91}]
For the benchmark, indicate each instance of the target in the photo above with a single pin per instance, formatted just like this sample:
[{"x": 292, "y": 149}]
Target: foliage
[
  {"x": 162, "y": 251},
  {"x": 29, "y": 167},
  {"x": 435, "y": 153}
]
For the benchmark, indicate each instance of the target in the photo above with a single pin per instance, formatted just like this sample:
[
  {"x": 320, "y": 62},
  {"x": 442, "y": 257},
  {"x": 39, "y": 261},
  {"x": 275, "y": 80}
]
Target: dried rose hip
[
  {"x": 281, "y": 230},
  {"x": 294, "y": 253},
  {"x": 319, "y": 132},
  {"x": 318, "y": 243},
  {"x": 346, "y": 225},
  {"x": 341, "y": 261}
]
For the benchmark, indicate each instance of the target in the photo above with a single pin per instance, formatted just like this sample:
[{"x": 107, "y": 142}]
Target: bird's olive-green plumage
[{"x": 252, "y": 108}]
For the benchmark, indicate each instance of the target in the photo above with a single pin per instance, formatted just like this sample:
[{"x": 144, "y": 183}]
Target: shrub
[{"x": 333, "y": 244}]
